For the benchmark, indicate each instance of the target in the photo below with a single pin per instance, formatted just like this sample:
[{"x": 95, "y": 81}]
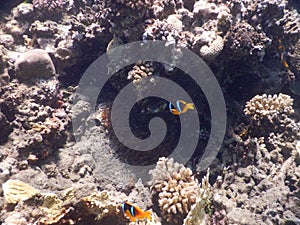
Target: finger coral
[
  {"x": 272, "y": 118},
  {"x": 263, "y": 106},
  {"x": 176, "y": 188}
]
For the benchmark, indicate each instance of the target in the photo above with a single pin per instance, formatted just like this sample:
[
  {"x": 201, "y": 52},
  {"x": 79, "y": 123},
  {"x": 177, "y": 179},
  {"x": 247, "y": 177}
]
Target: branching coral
[
  {"x": 271, "y": 117},
  {"x": 290, "y": 22},
  {"x": 263, "y": 106},
  {"x": 176, "y": 187}
]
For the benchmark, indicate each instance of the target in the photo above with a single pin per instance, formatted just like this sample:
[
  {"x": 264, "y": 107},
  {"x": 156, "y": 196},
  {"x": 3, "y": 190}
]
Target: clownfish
[
  {"x": 178, "y": 111},
  {"x": 135, "y": 213}
]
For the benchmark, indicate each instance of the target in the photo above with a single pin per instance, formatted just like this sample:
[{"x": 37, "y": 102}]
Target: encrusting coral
[{"x": 176, "y": 188}]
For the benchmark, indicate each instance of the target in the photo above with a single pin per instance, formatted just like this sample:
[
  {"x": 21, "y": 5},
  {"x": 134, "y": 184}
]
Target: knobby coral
[
  {"x": 176, "y": 188},
  {"x": 139, "y": 71},
  {"x": 272, "y": 118},
  {"x": 263, "y": 106}
]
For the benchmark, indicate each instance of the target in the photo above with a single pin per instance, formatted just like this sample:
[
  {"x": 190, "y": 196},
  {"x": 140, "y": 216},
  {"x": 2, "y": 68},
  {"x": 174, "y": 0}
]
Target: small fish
[
  {"x": 178, "y": 111},
  {"x": 283, "y": 52},
  {"x": 135, "y": 213}
]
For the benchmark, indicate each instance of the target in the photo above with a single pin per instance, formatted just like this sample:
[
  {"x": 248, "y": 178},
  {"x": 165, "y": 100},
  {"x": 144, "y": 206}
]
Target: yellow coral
[{"x": 16, "y": 190}]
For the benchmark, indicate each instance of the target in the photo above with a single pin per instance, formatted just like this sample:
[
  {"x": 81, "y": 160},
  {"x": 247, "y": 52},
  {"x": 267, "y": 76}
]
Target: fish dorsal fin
[
  {"x": 178, "y": 105},
  {"x": 132, "y": 211}
]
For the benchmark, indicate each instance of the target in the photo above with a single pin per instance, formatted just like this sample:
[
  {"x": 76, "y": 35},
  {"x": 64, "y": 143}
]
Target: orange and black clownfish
[
  {"x": 135, "y": 213},
  {"x": 178, "y": 111}
]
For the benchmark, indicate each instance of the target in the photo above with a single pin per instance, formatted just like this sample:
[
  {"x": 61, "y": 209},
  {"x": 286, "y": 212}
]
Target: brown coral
[
  {"x": 140, "y": 71},
  {"x": 176, "y": 187},
  {"x": 243, "y": 39}
]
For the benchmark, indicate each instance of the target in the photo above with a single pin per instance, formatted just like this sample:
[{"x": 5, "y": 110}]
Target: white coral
[
  {"x": 213, "y": 49},
  {"x": 267, "y": 106},
  {"x": 176, "y": 187}
]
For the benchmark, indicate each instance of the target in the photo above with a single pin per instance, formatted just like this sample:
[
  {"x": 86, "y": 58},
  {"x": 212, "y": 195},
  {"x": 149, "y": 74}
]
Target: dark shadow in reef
[{"x": 148, "y": 108}]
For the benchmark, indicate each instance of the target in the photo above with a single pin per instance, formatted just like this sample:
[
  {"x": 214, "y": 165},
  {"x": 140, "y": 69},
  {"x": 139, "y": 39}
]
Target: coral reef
[
  {"x": 7, "y": 128},
  {"x": 176, "y": 188},
  {"x": 48, "y": 6},
  {"x": 136, "y": 4},
  {"x": 54, "y": 209},
  {"x": 266, "y": 107},
  {"x": 294, "y": 58},
  {"x": 197, "y": 214},
  {"x": 258, "y": 193},
  {"x": 139, "y": 71},
  {"x": 4, "y": 65},
  {"x": 45, "y": 47},
  {"x": 213, "y": 49},
  {"x": 243, "y": 40}
]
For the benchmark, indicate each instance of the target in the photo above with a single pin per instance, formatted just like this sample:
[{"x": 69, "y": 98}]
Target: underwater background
[{"x": 55, "y": 172}]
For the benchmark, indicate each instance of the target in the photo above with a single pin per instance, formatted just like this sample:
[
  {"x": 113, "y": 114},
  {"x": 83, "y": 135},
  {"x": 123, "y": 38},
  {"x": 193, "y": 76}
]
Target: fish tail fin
[
  {"x": 148, "y": 214},
  {"x": 190, "y": 105}
]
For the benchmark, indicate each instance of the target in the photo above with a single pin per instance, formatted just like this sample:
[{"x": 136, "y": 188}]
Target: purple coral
[{"x": 48, "y": 5}]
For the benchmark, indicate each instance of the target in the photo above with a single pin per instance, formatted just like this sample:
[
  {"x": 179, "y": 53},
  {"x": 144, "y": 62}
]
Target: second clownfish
[
  {"x": 135, "y": 213},
  {"x": 178, "y": 110}
]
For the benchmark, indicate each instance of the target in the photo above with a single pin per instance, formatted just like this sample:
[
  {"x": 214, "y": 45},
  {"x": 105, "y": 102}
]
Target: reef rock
[{"x": 34, "y": 64}]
